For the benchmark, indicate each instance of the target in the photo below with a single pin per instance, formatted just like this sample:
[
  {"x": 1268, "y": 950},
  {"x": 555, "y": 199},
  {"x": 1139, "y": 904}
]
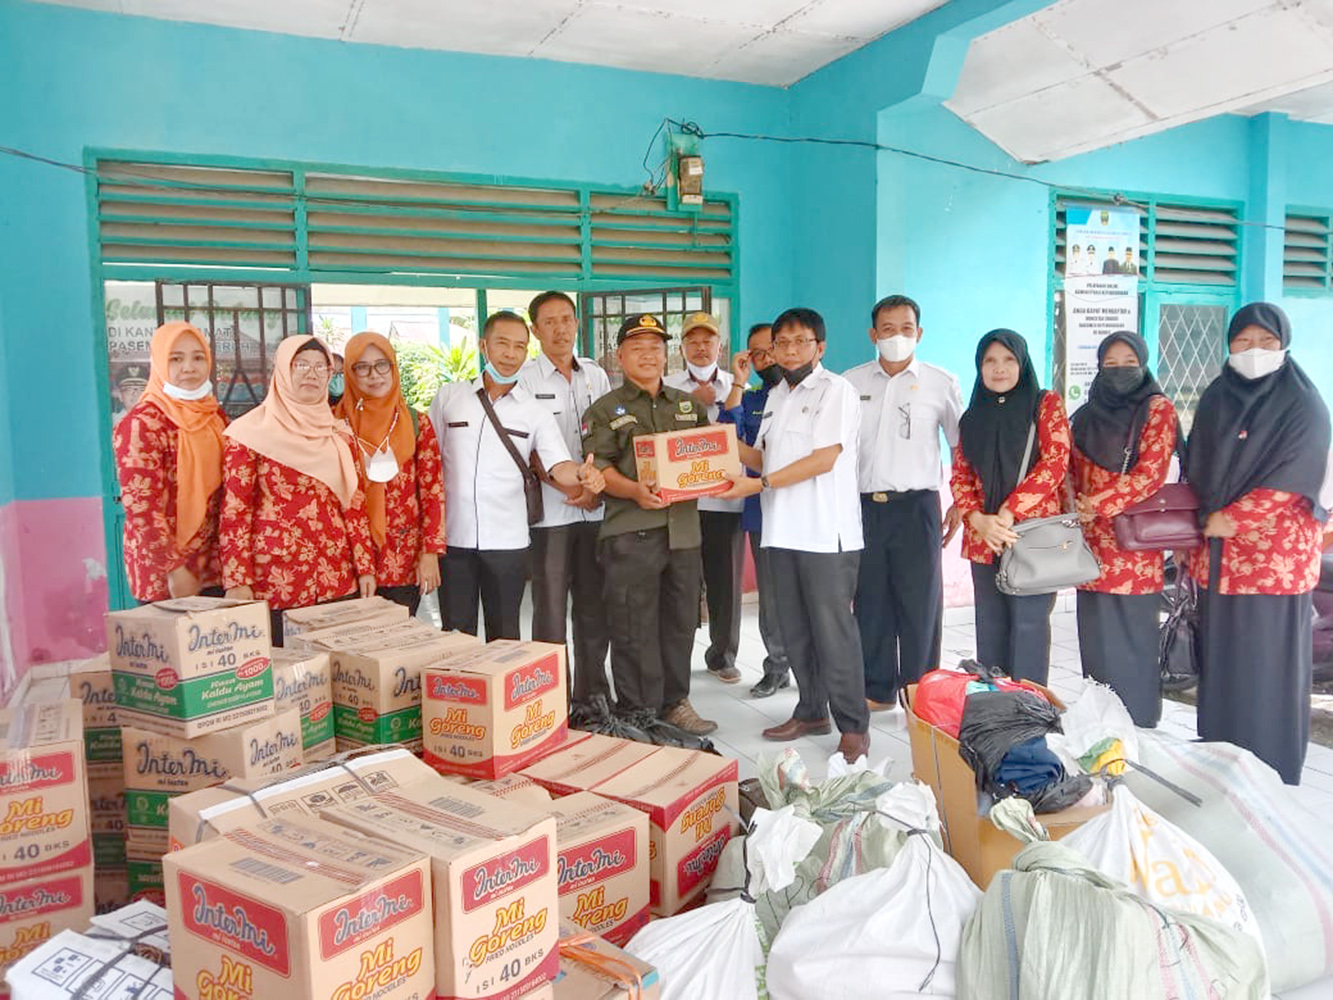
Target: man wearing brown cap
[{"x": 649, "y": 550}]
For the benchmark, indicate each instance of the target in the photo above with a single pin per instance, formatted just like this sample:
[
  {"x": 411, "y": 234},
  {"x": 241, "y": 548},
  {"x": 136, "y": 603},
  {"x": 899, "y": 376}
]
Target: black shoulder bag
[{"x": 532, "y": 486}]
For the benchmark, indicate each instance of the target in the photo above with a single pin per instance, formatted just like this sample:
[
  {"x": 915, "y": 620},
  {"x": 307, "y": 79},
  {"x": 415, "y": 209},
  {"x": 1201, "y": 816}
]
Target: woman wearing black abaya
[
  {"x": 992, "y": 489},
  {"x": 1257, "y": 457},
  {"x": 1124, "y": 436}
]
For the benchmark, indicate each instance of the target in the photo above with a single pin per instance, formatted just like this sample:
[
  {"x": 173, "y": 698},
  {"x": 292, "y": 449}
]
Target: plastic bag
[
  {"x": 1279, "y": 852},
  {"x": 995, "y": 721},
  {"x": 940, "y": 694},
  {"x": 1096, "y": 716},
  {"x": 1054, "y": 926},
  {"x": 718, "y": 950},
  {"x": 1162, "y": 863},
  {"x": 893, "y": 932}
]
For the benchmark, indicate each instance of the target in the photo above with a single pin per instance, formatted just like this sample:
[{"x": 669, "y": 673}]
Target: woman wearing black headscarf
[
  {"x": 993, "y": 490},
  {"x": 1124, "y": 436},
  {"x": 1257, "y": 458}
]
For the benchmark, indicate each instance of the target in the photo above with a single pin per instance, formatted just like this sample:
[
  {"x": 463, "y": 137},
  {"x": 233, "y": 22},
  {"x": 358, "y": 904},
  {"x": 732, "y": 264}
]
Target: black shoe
[{"x": 769, "y": 685}]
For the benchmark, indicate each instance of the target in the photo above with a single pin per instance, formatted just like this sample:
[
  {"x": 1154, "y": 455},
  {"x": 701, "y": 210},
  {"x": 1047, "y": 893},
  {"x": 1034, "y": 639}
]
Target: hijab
[
  {"x": 199, "y": 428},
  {"x": 1107, "y": 427},
  {"x": 306, "y": 437},
  {"x": 994, "y": 428},
  {"x": 1271, "y": 431},
  {"x": 375, "y": 421}
]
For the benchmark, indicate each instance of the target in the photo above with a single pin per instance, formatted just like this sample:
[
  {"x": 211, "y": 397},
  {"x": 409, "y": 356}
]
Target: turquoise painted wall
[{"x": 74, "y": 79}]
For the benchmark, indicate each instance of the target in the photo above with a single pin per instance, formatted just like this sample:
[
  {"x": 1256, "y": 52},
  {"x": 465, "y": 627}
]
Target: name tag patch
[
  {"x": 686, "y": 416},
  {"x": 458, "y": 423},
  {"x": 621, "y": 421},
  {"x": 864, "y": 399},
  {"x": 551, "y": 395}
]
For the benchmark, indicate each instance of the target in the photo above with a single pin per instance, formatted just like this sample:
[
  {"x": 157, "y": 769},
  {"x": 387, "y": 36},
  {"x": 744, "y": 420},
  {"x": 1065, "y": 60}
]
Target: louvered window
[
  {"x": 328, "y": 226},
  {"x": 1180, "y": 244},
  {"x": 1305, "y": 251}
]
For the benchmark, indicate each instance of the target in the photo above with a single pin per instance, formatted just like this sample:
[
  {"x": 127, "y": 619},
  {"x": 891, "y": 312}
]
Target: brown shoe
[
  {"x": 880, "y": 706},
  {"x": 854, "y": 745},
  {"x": 683, "y": 716},
  {"x": 794, "y": 729}
]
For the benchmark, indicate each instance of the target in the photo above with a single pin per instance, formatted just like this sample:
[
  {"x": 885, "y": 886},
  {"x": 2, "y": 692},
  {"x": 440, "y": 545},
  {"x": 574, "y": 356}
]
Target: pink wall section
[{"x": 53, "y": 582}]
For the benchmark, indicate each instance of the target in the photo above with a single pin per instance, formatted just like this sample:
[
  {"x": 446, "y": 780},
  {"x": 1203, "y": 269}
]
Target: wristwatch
[{"x": 763, "y": 481}]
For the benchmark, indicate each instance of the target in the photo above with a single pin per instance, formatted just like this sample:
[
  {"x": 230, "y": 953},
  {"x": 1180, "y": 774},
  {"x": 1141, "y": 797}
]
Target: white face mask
[
  {"x": 701, "y": 374},
  {"x": 176, "y": 392},
  {"x": 1256, "y": 362},
  {"x": 895, "y": 349}
]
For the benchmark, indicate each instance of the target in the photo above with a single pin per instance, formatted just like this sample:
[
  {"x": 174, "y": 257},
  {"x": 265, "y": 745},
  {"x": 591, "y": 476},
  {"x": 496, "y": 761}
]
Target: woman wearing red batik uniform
[
  {"x": 169, "y": 462},
  {"x": 993, "y": 491},
  {"x": 403, "y": 472},
  {"x": 294, "y": 529},
  {"x": 1124, "y": 436}
]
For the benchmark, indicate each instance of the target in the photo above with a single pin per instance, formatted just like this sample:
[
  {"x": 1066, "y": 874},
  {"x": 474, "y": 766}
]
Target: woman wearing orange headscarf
[
  {"x": 294, "y": 530},
  {"x": 169, "y": 460},
  {"x": 403, "y": 472}
]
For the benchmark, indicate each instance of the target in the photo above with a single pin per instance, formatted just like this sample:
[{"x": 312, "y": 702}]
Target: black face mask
[
  {"x": 795, "y": 376},
  {"x": 1124, "y": 379},
  {"x": 770, "y": 375}
]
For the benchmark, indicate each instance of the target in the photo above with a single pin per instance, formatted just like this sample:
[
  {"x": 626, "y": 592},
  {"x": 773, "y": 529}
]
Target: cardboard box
[
  {"x": 35, "y": 910},
  {"x": 108, "y": 851},
  {"x": 145, "y": 881},
  {"x": 490, "y": 710},
  {"x": 623, "y": 978},
  {"x": 969, "y": 836},
  {"x": 377, "y": 683},
  {"x": 106, "y": 805},
  {"x": 88, "y": 681},
  {"x": 364, "y": 611},
  {"x": 585, "y": 760},
  {"x": 304, "y": 681},
  {"x": 191, "y": 666},
  {"x": 45, "y": 827},
  {"x": 211, "y": 811},
  {"x": 494, "y": 871},
  {"x": 159, "y": 767},
  {"x": 515, "y": 787},
  {"x": 111, "y": 888},
  {"x": 360, "y": 634},
  {"x": 686, "y": 465},
  {"x": 74, "y": 966},
  {"x": 602, "y": 869},
  {"x": 297, "y": 908}
]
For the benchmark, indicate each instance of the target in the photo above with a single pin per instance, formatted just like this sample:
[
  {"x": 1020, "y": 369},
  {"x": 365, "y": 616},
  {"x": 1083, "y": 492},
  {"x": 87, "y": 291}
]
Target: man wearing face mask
[
  {"x": 905, "y": 405},
  {"x": 719, "y": 520},
  {"x": 486, "y": 515}
]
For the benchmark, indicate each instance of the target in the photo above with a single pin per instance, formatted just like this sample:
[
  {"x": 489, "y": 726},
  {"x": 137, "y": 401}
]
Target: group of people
[
  {"x": 1112, "y": 263},
  {"x": 529, "y": 472}
]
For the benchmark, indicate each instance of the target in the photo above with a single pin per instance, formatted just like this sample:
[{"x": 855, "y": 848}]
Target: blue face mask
[{"x": 498, "y": 378}]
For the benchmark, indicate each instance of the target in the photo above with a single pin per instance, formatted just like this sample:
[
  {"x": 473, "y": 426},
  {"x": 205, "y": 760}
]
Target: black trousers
[
  {"x": 652, "y": 610},
  {"x": 407, "y": 594},
  {"x": 1013, "y": 633},
  {"x": 496, "y": 577},
  {"x": 900, "y": 591},
  {"x": 1256, "y": 662},
  {"x": 564, "y": 565},
  {"x": 723, "y": 559},
  {"x": 770, "y": 629},
  {"x": 814, "y": 593},
  {"x": 1118, "y": 639}
]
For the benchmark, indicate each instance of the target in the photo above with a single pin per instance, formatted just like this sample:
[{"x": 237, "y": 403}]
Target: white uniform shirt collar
[{"x": 913, "y": 366}]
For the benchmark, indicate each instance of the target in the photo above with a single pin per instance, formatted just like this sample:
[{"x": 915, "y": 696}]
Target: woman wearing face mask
[
  {"x": 1256, "y": 459},
  {"x": 402, "y": 469},
  {"x": 169, "y": 461},
  {"x": 993, "y": 490},
  {"x": 294, "y": 529},
  {"x": 1124, "y": 437}
]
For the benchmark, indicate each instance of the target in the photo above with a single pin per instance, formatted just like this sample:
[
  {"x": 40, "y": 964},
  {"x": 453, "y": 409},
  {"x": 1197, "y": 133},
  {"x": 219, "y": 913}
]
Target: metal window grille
[
  {"x": 1191, "y": 341},
  {"x": 605, "y": 312}
]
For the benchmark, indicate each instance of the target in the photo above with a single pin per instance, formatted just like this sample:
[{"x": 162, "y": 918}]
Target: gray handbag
[{"x": 1050, "y": 554}]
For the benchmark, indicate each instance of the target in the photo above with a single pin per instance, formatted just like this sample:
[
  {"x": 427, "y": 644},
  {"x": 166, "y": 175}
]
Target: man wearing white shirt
[
  {"x": 719, "y": 520},
  {"x": 905, "y": 404},
  {"x": 485, "y": 509},
  {"x": 564, "y": 542},
  {"x": 806, "y": 450}
]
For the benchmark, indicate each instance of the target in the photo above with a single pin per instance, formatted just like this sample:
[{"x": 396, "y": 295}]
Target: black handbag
[
  {"x": 532, "y": 486},
  {"x": 1178, "y": 649}
]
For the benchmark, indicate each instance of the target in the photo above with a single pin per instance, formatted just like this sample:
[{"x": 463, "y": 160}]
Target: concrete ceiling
[
  {"x": 775, "y": 42},
  {"x": 1082, "y": 74}
]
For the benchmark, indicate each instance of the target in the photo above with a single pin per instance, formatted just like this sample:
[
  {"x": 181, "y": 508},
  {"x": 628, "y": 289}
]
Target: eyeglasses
[
  {"x": 761, "y": 352},
  {"x": 381, "y": 367},
  {"x": 783, "y": 344},
  {"x": 905, "y": 428},
  {"x": 306, "y": 368}
]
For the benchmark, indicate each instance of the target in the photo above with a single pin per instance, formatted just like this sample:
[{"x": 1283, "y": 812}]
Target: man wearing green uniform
[{"x": 649, "y": 549}]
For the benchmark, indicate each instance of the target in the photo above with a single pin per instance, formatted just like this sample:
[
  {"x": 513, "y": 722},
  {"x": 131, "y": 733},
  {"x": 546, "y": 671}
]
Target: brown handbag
[{"x": 1169, "y": 519}]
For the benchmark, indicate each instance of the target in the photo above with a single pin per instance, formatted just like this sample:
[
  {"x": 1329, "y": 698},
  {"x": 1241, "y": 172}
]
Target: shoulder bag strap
[{"x": 486, "y": 405}]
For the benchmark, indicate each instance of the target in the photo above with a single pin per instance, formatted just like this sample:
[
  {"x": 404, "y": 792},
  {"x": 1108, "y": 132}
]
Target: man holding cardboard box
[
  {"x": 806, "y": 452},
  {"x": 649, "y": 548}
]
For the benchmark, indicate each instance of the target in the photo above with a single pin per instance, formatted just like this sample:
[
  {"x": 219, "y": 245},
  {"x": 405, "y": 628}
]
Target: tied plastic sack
[
  {"x": 888, "y": 934},
  {"x": 1002, "y": 739},
  {"x": 1277, "y": 850},
  {"x": 1093, "y": 726},
  {"x": 1020, "y": 943},
  {"x": 718, "y": 950},
  {"x": 1162, "y": 863}
]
